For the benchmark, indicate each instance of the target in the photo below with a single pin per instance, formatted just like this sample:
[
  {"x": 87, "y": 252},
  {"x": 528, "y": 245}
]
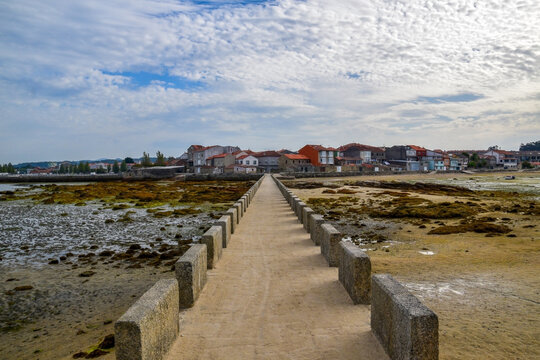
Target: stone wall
[
  {"x": 406, "y": 328},
  {"x": 315, "y": 231},
  {"x": 150, "y": 326},
  {"x": 355, "y": 272},
  {"x": 190, "y": 272},
  {"x": 330, "y": 239},
  {"x": 213, "y": 240},
  {"x": 306, "y": 212},
  {"x": 225, "y": 223},
  {"x": 227, "y": 177}
]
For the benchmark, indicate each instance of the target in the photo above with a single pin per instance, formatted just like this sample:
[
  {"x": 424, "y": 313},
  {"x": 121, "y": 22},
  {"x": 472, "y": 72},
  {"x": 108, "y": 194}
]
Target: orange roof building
[{"x": 318, "y": 155}]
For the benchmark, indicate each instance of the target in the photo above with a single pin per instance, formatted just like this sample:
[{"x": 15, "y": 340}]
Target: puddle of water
[{"x": 423, "y": 252}]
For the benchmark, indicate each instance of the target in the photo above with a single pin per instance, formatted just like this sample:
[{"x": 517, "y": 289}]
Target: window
[
  {"x": 247, "y": 162},
  {"x": 254, "y": 162}
]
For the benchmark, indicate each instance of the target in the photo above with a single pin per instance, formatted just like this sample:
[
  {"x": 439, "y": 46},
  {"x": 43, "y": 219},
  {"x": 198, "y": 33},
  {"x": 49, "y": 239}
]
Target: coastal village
[{"x": 349, "y": 158}]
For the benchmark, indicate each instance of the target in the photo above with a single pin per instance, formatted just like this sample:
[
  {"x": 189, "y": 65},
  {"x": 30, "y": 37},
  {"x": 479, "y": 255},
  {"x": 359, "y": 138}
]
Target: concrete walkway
[{"x": 273, "y": 296}]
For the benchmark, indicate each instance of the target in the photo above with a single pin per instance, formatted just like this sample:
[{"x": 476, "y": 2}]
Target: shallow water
[
  {"x": 12, "y": 187},
  {"x": 33, "y": 234},
  {"x": 529, "y": 185}
]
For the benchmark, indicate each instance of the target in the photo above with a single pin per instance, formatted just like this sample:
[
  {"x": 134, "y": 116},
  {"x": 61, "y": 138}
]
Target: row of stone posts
[
  {"x": 149, "y": 327},
  {"x": 405, "y": 327}
]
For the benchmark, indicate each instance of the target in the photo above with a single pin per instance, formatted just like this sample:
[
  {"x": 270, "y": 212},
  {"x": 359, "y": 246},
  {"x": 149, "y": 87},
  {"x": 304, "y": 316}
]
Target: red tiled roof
[
  {"x": 414, "y": 147},
  {"x": 296, "y": 156},
  {"x": 241, "y": 151},
  {"x": 217, "y": 156},
  {"x": 197, "y": 147},
  {"x": 319, "y": 147},
  {"x": 362, "y": 147},
  {"x": 504, "y": 152},
  {"x": 243, "y": 156},
  {"x": 267, "y": 154}
]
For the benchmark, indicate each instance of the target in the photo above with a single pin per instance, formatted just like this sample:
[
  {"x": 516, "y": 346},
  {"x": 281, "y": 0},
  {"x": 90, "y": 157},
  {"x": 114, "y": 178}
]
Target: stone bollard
[
  {"x": 355, "y": 272},
  {"x": 234, "y": 218},
  {"x": 330, "y": 244},
  {"x": 213, "y": 239},
  {"x": 190, "y": 271},
  {"x": 225, "y": 223},
  {"x": 406, "y": 328},
  {"x": 295, "y": 202},
  {"x": 239, "y": 211},
  {"x": 315, "y": 221},
  {"x": 306, "y": 212},
  {"x": 148, "y": 328},
  {"x": 299, "y": 211}
]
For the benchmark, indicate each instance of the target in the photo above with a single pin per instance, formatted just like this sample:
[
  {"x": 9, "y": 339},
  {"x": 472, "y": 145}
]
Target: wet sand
[
  {"x": 484, "y": 287},
  {"x": 63, "y": 313},
  {"x": 74, "y": 258}
]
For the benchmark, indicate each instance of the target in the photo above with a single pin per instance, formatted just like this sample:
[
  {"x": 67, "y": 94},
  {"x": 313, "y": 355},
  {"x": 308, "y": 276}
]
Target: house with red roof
[
  {"x": 220, "y": 162},
  {"x": 503, "y": 158},
  {"x": 249, "y": 160},
  {"x": 295, "y": 163},
  {"x": 320, "y": 157},
  {"x": 405, "y": 157},
  {"x": 197, "y": 154},
  {"x": 268, "y": 160},
  {"x": 365, "y": 153}
]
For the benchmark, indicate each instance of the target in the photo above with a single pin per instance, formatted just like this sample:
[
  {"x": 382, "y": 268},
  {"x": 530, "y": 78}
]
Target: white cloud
[{"x": 277, "y": 74}]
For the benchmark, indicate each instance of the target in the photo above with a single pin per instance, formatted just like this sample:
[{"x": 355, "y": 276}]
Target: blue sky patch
[
  {"x": 143, "y": 79},
  {"x": 466, "y": 97},
  {"x": 220, "y": 3},
  {"x": 359, "y": 75}
]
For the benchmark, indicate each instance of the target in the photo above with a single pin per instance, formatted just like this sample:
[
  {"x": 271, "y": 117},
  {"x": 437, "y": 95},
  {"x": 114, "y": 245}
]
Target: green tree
[
  {"x": 3, "y": 168},
  {"x": 10, "y": 168},
  {"x": 160, "y": 159},
  {"x": 526, "y": 165},
  {"x": 532, "y": 146},
  {"x": 129, "y": 160},
  {"x": 146, "y": 160},
  {"x": 123, "y": 166},
  {"x": 62, "y": 169},
  {"x": 115, "y": 167},
  {"x": 86, "y": 168}
]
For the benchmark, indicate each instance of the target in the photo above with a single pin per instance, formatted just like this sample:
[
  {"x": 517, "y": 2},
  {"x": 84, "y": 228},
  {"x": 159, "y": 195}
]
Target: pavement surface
[{"x": 273, "y": 296}]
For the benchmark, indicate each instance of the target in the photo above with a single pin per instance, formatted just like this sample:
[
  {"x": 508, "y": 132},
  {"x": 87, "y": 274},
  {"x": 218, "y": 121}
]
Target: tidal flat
[
  {"x": 467, "y": 245},
  {"x": 74, "y": 257}
]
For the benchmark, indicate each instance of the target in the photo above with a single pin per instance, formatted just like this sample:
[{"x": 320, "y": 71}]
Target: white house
[
  {"x": 248, "y": 160},
  {"x": 503, "y": 158}
]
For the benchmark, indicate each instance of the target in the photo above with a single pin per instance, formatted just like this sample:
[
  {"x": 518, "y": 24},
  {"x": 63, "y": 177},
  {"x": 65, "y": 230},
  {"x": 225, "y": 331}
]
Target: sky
[{"x": 95, "y": 79}]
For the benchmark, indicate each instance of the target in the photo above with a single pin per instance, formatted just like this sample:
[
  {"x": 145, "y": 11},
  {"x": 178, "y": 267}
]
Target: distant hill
[{"x": 47, "y": 164}]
